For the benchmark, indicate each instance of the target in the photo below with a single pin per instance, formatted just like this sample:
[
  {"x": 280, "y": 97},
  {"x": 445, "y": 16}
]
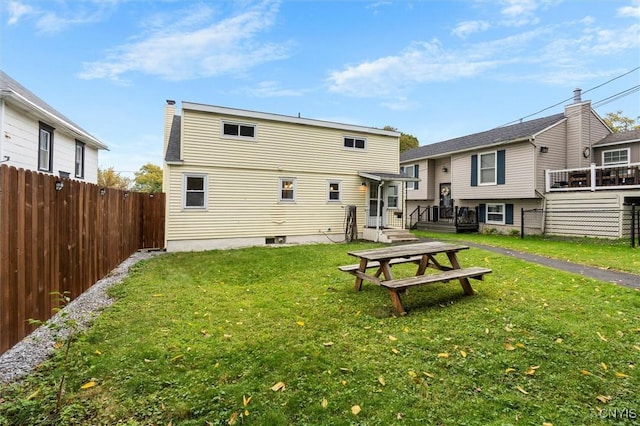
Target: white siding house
[
  {"x": 34, "y": 136},
  {"x": 239, "y": 178}
]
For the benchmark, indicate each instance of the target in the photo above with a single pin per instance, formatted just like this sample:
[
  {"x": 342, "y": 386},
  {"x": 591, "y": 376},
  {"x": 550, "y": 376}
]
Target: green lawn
[{"x": 277, "y": 336}]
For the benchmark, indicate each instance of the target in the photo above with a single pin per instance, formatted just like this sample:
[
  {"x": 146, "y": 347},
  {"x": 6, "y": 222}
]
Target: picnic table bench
[{"x": 424, "y": 254}]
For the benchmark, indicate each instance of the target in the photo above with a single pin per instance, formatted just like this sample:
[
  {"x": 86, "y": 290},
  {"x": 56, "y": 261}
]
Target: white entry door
[{"x": 377, "y": 218}]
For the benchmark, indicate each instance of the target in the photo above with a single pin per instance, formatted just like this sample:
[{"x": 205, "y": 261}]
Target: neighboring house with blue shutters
[
  {"x": 485, "y": 180},
  {"x": 35, "y": 136}
]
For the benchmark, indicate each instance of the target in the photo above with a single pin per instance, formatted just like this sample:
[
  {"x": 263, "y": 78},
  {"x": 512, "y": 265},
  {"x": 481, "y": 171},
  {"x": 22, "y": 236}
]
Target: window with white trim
[
  {"x": 354, "y": 142},
  {"x": 334, "y": 190},
  {"x": 487, "y": 169},
  {"x": 615, "y": 157},
  {"x": 495, "y": 214},
  {"x": 79, "y": 160},
  {"x": 45, "y": 148},
  {"x": 239, "y": 130},
  {"x": 194, "y": 191},
  {"x": 287, "y": 189},
  {"x": 411, "y": 171},
  {"x": 392, "y": 197}
]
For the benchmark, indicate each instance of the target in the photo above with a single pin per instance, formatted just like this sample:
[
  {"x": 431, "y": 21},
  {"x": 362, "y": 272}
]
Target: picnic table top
[{"x": 407, "y": 250}]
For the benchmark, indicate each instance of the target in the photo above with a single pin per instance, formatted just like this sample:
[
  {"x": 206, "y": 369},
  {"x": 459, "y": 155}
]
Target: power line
[{"x": 571, "y": 98}]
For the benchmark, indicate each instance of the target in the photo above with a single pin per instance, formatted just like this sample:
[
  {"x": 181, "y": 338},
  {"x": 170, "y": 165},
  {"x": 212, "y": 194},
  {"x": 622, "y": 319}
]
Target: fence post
[
  {"x": 633, "y": 225},
  {"x": 521, "y": 223}
]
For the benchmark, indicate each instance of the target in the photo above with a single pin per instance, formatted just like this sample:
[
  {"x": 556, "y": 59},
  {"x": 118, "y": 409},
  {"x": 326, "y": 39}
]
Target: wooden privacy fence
[{"x": 61, "y": 235}]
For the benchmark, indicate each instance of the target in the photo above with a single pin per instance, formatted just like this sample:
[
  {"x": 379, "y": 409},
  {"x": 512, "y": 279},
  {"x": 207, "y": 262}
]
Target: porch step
[
  {"x": 399, "y": 235},
  {"x": 436, "y": 226}
]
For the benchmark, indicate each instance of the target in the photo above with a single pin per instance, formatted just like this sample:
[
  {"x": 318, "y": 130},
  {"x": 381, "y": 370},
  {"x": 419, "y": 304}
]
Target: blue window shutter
[
  {"x": 501, "y": 167},
  {"x": 481, "y": 213},
  {"x": 416, "y": 172},
  {"x": 474, "y": 171},
  {"x": 508, "y": 214}
]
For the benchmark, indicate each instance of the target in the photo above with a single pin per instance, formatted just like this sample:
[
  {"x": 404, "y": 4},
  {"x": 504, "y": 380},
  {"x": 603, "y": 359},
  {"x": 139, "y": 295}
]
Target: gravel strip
[{"x": 25, "y": 356}]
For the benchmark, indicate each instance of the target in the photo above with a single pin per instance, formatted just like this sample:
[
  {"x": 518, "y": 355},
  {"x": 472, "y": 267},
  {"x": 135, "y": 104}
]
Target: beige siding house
[
  {"x": 489, "y": 180},
  {"x": 37, "y": 137},
  {"x": 240, "y": 178}
]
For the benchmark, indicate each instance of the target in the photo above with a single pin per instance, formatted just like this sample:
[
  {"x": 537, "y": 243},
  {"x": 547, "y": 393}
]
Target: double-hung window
[
  {"x": 487, "y": 170},
  {"x": 615, "y": 157},
  {"x": 79, "y": 159},
  {"x": 194, "y": 191},
  {"x": 45, "y": 148},
  {"x": 411, "y": 171},
  {"x": 495, "y": 214},
  {"x": 287, "y": 189},
  {"x": 239, "y": 130},
  {"x": 351, "y": 142},
  {"x": 392, "y": 197},
  {"x": 334, "y": 188}
]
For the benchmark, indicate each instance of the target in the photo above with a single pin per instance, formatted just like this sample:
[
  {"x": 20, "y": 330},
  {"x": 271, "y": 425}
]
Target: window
[
  {"x": 79, "y": 159},
  {"x": 45, "y": 148},
  {"x": 334, "y": 190},
  {"x": 487, "y": 170},
  {"x": 195, "y": 190},
  {"x": 411, "y": 171},
  {"x": 617, "y": 156},
  {"x": 239, "y": 130},
  {"x": 287, "y": 189},
  {"x": 354, "y": 143},
  {"x": 495, "y": 214},
  {"x": 392, "y": 197}
]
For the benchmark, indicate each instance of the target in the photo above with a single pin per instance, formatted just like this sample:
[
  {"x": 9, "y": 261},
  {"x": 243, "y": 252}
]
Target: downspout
[
  {"x": 379, "y": 212},
  {"x": 2, "y": 135}
]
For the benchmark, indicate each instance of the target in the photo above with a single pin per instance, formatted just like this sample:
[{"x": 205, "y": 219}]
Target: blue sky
[{"x": 433, "y": 69}]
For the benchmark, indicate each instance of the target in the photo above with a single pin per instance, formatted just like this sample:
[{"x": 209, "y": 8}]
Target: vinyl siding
[
  {"x": 289, "y": 147},
  {"x": 584, "y": 129},
  {"x": 519, "y": 175},
  {"x": 556, "y": 157},
  {"x": 243, "y": 179},
  {"x": 634, "y": 152},
  {"x": 22, "y": 146},
  {"x": 424, "y": 174}
]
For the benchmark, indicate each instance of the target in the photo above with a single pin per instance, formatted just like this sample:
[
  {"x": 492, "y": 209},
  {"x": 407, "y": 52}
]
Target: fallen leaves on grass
[
  {"x": 604, "y": 339},
  {"x": 88, "y": 385},
  {"x": 509, "y": 347},
  {"x": 356, "y": 410},
  {"x": 522, "y": 390},
  {"x": 603, "y": 398},
  {"x": 278, "y": 386},
  {"x": 324, "y": 403}
]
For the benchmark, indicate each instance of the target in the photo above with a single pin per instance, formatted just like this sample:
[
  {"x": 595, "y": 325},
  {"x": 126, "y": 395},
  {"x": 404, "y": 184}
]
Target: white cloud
[
  {"x": 464, "y": 29},
  {"x": 269, "y": 89},
  {"x": 632, "y": 11},
  {"x": 49, "y": 21},
  {"x": 182, "y": 52},
  {"x": 419, "y": 63},
  {"x": 16, "y": 11},
  {"x": 565, "y": 53}
]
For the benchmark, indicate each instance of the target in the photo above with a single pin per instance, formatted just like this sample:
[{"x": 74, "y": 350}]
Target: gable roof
[
  {"x": 619, "y": 138},
  {"x": 499, "y": 135},
  {"x": 15, "y": 92}
]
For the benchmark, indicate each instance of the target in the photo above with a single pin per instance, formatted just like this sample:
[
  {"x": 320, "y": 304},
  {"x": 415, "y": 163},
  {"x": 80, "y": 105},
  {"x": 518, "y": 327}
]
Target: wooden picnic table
[{"x": 424, "y": 255}]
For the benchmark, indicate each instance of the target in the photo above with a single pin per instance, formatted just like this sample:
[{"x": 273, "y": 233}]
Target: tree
[
  {"x": 407, "y": 141},
  {"x": 619, "y": 123},
  {"x": 109, "y": 178},
  {"x": 148, "y": 179}
]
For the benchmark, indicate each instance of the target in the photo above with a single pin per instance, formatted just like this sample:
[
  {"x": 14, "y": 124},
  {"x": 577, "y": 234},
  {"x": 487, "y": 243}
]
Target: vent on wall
[{"x": 275, "y": 240}]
